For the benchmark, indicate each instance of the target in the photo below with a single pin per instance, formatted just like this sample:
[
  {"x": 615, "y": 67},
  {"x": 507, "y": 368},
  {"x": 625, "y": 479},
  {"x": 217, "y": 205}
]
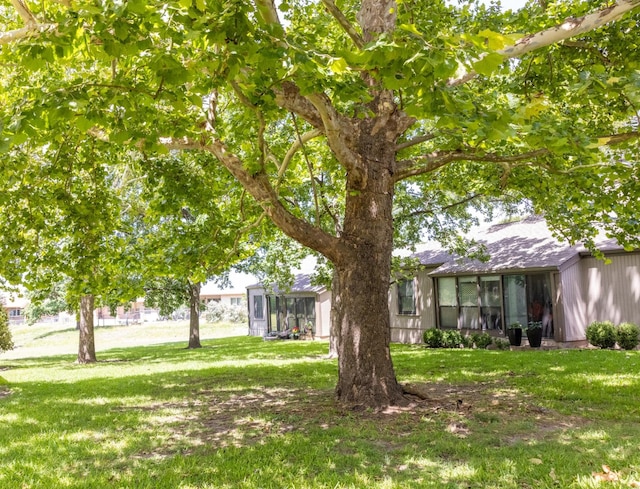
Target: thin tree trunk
[
  {"x": 86, "y": 349},
  {"x": 194, "y": 316}
]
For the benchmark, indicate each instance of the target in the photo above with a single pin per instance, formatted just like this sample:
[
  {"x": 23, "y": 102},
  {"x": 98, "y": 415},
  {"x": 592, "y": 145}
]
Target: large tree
[{"x": 426, "y": 104}]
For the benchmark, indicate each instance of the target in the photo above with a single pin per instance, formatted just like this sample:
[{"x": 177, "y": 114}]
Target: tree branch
[
  {"x": 571, "y": 27},
  {"x": 24, "y": 12},
  {"x": 337, "y": 131},
  {"x": 295, "y": 147},
  {"x": 288, "y": 97},
  {"x": 413, "y": 142},
  {"x": 259, "y": 187},
  {"x": 24, "y": 32},
  {"x": 32, "y": 26},
  {"x": 344, "y": 23},
  {"x": 420, "y": 212},
  {"x": 618, "y": 138},
  {"x": 268, "y": 11},
  {"x": 438, "y": 159}
]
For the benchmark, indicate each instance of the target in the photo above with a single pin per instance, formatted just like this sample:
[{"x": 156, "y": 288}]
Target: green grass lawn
[{"x": 244, "y": 413}]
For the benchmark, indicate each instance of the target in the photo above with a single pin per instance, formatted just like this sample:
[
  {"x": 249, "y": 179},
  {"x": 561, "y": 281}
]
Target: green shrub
[
  {"x": 467, "y": 342},
  {"x": 601, "y": 334},
  {"x": 627, "y": 335},
  {"x": 218, "y": 312},
  {"x": 433, "y": 338},
  {"x": 6, "y": 343},
  {"x": 481, "y": 340},
  {"x": 502, "y": 344},
  {"x": 451, "y": 339}
]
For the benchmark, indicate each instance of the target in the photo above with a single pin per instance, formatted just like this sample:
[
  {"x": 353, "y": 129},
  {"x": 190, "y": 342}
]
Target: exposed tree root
[{"x": 419, "y": 391}]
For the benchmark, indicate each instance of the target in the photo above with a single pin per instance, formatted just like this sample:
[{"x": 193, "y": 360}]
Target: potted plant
[
  {"x": 534, "y": 334},
  {"x": 514, "y": 332}
]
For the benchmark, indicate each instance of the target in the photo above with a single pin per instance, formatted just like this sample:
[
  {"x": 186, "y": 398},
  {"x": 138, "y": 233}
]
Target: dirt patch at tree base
[{"x": 220, "y": 419}]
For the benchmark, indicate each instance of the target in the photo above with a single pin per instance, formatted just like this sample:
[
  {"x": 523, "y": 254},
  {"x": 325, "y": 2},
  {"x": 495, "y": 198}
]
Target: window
[
  {"x": 236, "y": 301},
  {"x": 468, "y": 297},
  {"x": 492, "y": 302},
  {"x": 258, "y": 307},
  {"x": 406, "y": 297},
  {"x": 448, "y": 302},
  {"x": 14, "y": 313}
]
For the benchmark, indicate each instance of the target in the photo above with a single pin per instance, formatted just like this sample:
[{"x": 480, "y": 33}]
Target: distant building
[
  {"x": 303, "y": 306},
  {"x": 15, "y": 306}
]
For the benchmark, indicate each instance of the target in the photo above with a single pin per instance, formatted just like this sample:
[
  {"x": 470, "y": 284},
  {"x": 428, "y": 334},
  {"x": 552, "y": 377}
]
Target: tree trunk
[
  {"x": 365, "y": 369},
  {"x": 194, "y": 316},
  {"x": 86, "y": 349}
]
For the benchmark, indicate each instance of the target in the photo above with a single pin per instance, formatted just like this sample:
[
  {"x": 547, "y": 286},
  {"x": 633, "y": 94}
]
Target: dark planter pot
[
  {"x": 515, "y": 336},
  {"x": 535, "y": 337}
]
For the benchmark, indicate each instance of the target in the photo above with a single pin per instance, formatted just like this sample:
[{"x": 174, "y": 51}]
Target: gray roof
[
  {"x": 301, "y": 284},
  {"x": 524, "y": 245}
]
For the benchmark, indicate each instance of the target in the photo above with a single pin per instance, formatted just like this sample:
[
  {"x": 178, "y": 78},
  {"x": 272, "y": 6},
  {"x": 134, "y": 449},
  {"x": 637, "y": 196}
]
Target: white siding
[
  {"x": 575, "y": 309},
  {"x": 409, "y": 329},
  {"x": 323, "y": 314},
  {"x": 612, "y": 291}
]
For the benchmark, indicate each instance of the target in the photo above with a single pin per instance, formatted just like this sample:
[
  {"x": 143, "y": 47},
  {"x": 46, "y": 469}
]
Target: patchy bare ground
[{"x": 223, "y": 419}]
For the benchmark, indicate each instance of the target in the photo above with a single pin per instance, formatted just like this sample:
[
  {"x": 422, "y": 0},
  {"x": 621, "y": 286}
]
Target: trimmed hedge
[
  {"x": 432, "y": 337},
  {"x": 481, "y": 340},
  {"x": 628, "y": 335},
  {"x": 601, "y": 334}
]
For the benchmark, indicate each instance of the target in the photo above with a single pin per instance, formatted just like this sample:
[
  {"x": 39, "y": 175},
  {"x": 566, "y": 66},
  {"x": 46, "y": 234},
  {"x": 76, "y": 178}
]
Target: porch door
[
  {"x": 276, "y": 313},
  {"x": 527, "y": 298},
  {"x": 539, "y": 301},
  {"x": 515, "y": 300},
  {"x": 490, "y": 303}
]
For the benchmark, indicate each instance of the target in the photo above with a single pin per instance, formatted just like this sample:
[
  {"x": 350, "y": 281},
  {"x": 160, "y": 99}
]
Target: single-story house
[
  {"x": 234, "y": 295},
  {"x": 530, "y": 276},
  {"x": 304, "y": 305}
]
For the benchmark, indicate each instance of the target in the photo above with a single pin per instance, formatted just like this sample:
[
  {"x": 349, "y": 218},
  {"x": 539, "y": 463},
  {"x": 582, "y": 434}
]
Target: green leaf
[
  {"x": 495, "y": 40},
  {"x": 339, "y": 65},
  {"x": 488, "y": 64}
]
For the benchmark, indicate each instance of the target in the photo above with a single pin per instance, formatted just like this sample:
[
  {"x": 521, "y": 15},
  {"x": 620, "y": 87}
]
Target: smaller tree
[
  {"x": 169, "y": 294},
  {"x": 6, "y": 342},
  {"x": 195, "y": 226}
]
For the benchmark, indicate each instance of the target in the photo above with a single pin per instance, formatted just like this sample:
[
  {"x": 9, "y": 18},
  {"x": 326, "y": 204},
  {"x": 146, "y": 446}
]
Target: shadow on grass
[
  {"x": 246, "y": 413},
  {"x": 55, "y": 333}
]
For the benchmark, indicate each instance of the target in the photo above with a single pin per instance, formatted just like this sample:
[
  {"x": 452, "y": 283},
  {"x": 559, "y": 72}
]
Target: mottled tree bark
[
  {"x": 86, "y": 349},
  {"x": 366, "y": 374},
  {"x": 194, "y": 316}
]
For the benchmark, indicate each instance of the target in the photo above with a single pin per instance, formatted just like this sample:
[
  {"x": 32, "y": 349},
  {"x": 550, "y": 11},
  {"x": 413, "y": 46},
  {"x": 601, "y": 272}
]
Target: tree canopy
[{"x": 350, "y": 123}]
